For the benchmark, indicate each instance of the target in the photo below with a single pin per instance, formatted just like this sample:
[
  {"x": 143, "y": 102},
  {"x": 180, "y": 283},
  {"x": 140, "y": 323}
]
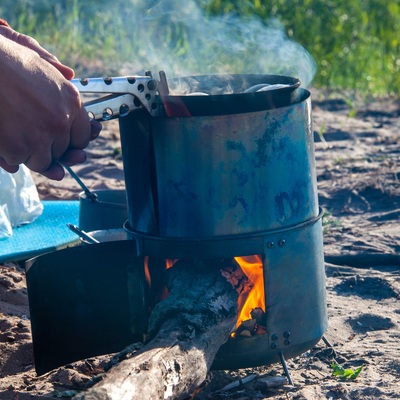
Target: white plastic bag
[
  {"x": 5, "y": 224},
  {"x": 19, "y": 200}
]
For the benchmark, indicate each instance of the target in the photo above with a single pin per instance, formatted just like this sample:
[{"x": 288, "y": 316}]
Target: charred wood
[{"x": 186, "y": 331}]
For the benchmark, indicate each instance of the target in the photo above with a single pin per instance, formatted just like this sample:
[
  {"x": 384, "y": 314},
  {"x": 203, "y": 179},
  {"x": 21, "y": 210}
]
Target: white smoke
[{"x": 179, "y": 38}]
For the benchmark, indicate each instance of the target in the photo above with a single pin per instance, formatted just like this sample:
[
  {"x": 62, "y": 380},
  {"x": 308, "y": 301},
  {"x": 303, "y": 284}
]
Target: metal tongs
[{"x": 122, "y": 95}]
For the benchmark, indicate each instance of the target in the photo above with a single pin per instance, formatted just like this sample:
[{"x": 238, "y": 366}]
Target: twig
[{"x": 238, "y": 383}]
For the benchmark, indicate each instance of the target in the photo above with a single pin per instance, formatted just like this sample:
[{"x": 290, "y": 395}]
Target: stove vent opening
[{"x": 251, "y": 318}]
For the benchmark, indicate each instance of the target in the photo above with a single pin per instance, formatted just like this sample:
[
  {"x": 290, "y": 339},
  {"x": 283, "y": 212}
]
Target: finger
[
  {"x": 9, "y": 168},
  {"x": 66, "y": 71},
  {"x": 96, "y": 128},
  {"x": 40, "y": 159},
  {"x": 34, "y": 45},
  {"x": 55, "y": 172},
  {"x": 31, "y": 43},
  {"x": 4, "y": 23},
  {"x": 81, "y": 130},
  {"x": 73, "y": 156}
]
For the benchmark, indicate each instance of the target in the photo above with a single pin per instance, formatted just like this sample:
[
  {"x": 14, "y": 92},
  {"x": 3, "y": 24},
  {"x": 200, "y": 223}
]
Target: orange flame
[
  {"x": 169, "y": 262},
  {"x": 147, "y": 270},
  {"x": 252, "y": 266}
]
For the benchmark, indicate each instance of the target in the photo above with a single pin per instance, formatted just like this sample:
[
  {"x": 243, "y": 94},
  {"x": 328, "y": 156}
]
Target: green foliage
[
  {"x": 71, "y": 29},
  {"x": 347, "y": 373},
  {"x": 356, "y": 44},
  {"x": 330, "y": 223}
]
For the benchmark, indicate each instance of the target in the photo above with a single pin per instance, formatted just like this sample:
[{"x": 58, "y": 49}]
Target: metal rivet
[
  {"x": 270, "y": 245},
  {"x": 123, "y": 110},
  {"x": 286, "y": 334},
  {"x": 274, "y": 336},
  {"x": 152, "y": 85},
  {"x": 273, "y": 346},
  {"x": 282, "y": 242},
  {"x": 287, "y": 342}
]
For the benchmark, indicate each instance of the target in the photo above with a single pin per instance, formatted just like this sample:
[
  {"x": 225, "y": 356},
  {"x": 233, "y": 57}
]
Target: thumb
[
  {"x": 33, "y": 44},
  {"x": 66, "y": 71}
]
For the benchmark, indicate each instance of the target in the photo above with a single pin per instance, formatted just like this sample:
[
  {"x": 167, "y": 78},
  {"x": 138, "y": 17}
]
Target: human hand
[
  {"x": 43, "y": 122},
  {"x": 33, "y": 44}
]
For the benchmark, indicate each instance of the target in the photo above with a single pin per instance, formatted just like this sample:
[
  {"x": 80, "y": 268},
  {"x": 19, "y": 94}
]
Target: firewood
[
  {"x": 186, "y": 330},
  {"x": 253, "y": 326},
  {"x": 238, "y": 383},
  {"x": 246, "y": 328},
  {"x": 259, "y": 315},
  {"x": 273, "y": 381}
]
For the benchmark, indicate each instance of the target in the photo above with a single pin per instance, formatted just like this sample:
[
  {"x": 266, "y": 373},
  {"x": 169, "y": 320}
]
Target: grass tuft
[{"x": 356, "y": 44}]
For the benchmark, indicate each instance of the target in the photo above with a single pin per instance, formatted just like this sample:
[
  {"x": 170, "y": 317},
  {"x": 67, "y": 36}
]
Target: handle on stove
[{"x": 121, "y": 95}]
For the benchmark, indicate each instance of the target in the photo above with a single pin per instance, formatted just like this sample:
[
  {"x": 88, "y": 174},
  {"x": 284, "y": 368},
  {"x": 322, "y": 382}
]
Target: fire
[
  {"x": 251, "y": 303},
  {"x": 169, "y": 262},
  {"x": 147, "y": 270},
  {"x": 252, "y": 266},
  {"x": 157, "y": 290}
]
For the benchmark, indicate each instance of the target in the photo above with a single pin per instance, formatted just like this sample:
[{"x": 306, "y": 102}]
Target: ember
[
  {"x": 251, "y": 301},
  {"x": 253, "y": 326}
]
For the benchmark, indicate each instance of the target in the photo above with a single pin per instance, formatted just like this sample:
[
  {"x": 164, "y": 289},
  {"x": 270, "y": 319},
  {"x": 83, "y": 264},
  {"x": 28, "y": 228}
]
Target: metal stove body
[
  {"x": 207, "y": 177},
  {"x": 235, "y": 184}
]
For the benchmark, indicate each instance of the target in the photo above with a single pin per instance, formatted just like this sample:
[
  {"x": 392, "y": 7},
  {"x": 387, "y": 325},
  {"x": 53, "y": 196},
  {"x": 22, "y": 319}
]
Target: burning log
[
  {"x": 186, "y": 330},
  {"x": 253, "y": 326}
]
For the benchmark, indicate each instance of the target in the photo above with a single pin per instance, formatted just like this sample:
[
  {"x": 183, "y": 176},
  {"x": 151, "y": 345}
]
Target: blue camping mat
[{"x": 49, "y": 232}]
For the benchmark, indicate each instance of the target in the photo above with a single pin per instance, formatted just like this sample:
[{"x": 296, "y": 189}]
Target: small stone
[{"x": 245, "y": 333}]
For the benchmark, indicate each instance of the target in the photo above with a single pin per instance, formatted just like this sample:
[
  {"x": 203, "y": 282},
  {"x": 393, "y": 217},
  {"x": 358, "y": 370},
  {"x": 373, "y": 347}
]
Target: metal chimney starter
[{"x": 235, "y": 176}]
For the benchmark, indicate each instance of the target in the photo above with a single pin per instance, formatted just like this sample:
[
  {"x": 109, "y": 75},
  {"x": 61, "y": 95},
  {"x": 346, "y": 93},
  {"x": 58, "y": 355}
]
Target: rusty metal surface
[
  {"x": 218, "y": 185},
  {"x": 208, "y": 176},
  {"x": 91, "y": 300},
  {"x": 296, "y": 310}
]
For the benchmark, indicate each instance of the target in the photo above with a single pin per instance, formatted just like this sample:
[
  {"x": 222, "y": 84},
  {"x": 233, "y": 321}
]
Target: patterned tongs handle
[{"x": 121, "y": 95}]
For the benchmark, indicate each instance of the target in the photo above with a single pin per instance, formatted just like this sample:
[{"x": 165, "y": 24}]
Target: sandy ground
[{"x": 358, "y": 169}]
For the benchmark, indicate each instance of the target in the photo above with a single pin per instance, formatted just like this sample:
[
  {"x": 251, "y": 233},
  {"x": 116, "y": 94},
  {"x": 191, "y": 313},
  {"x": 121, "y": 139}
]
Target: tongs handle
[{"x": 121, "y": 95}]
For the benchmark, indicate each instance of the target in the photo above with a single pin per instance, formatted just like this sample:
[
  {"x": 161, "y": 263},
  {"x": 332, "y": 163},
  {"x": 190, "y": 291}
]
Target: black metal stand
[
  {"x": 285, "y": 368},
  {"x": 325, "y": 340}
]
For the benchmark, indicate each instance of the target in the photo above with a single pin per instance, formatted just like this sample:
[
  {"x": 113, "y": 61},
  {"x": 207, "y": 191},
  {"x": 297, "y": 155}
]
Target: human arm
[{"x": 42, "y": 120}]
